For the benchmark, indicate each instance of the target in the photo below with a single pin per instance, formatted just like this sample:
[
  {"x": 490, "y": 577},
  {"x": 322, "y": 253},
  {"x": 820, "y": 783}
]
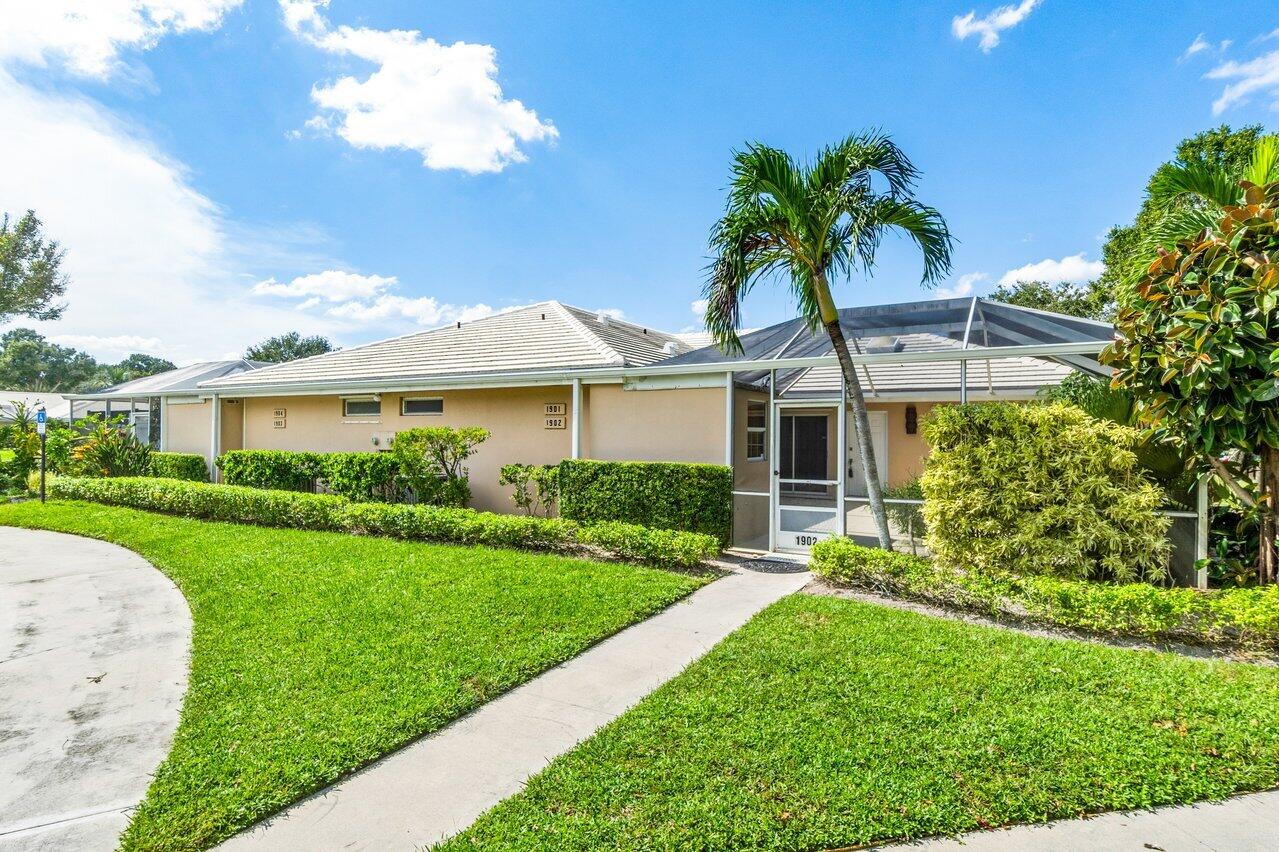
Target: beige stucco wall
[
  {"x": 906, "y": 453},
  {"x": 515, "y": 417},
  {"x": 187, "y": 427},
  {"x": 749, "y": 475},
  {"x": 684, "y": 425}
]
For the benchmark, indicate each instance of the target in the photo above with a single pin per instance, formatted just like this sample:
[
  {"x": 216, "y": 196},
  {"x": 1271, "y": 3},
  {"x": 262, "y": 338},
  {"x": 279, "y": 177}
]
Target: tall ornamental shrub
[
  {"x": 431, "y": 462},
  {"x": 1200, "y": 351},
  {"x": 1040, "y": 489},
  {"x": 664, "y": 495}
]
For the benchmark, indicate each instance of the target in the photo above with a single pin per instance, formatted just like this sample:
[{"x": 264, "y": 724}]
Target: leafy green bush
[
  {"x": 268, "y": 507},
  {"x": 188, "y": 466},
  {"x": 109, "y": 448},
  {"x": 537, "y": 486},
  {"x": 646, "y": 544},
  {"x": 280, "y": 470},
  {"x": 1040, "y": 488},
  {"x": 907, "y": 517},
  {"x": 430, "y": 461},
  {"x": 357, "y": 476},
  {"x": 660, "y": 495},
  {"x": 1247, "y": 617}
]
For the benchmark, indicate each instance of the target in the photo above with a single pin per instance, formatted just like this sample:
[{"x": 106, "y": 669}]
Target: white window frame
[
  {"x": 347, "y": 415},
  {"x": 406, "y": 399},
  {"x": 756, "y": 430}
]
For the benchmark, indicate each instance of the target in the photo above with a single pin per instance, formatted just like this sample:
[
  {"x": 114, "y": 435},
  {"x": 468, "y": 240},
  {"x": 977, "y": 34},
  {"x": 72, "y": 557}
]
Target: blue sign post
[{"x": 42, "y": 423}]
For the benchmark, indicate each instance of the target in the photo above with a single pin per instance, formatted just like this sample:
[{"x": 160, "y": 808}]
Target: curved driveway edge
[{"x": 94, "y": 651}]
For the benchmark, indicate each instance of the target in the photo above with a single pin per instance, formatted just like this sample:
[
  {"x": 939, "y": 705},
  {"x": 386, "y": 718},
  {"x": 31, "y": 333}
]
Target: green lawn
[
  {"x": 827, "y": 723},
  {"x": 315, "y": 653}
]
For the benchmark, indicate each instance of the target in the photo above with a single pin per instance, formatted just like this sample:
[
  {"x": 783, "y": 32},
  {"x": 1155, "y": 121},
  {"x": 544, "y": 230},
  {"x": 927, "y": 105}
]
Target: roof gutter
[{"x": 618, "y": 374}]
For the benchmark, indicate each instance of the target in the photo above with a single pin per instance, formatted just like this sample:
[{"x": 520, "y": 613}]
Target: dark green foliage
[
  {"x": 663, "y": 495},
  {"x": 188, "y": 466},
  {"x": 1040, "y": 489},
  {"x": 30, "y": 362},
  {"x": 1237, "y": 616},
  {"x": 356, "y": 476},
  {"x": 277, "y": 508},
  {"x": 109, "y": 448},
  {"x": 1093, "y": 300},
  {"x": 836, "y": 724},
  {"x": 431, "y": 460},
  {"x": 536, "y": 486},
  {"x": 31, "y": 278},
  {"x": 288, "y": 347}
]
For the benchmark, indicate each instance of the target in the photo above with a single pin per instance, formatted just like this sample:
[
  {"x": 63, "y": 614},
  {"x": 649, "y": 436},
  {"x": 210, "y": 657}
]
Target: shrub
[
  {"x": 188, "y": 466},
  {"x": 429, "y": 523},
  {"x": 537, "y": 486},
  {"x": 110, "y": 449},
  {"x": 271, "y": 508},
  {"x": 907, "y": 517},
  {"x": 280, "y": 470},
  {"x": 661, "y": 495},
  {"x": 430, "y": 461},
  {"x": 360, "y": 476},
  {"x": 645, "y": 544},
  {"x": 1246, "y": 617},
  {"x": 1040, "y": 489}
]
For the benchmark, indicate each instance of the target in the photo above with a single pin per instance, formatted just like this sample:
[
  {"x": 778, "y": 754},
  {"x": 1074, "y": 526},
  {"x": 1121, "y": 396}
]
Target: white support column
[
  {"x": 577, "y": 419},
  {"x": 1201, "y": 533},
  {"x": 215, "y": 435},
  {"x": 728, "y": 419},
  {"x": 963, "y": 382},
  {"x": 841, "y": 473},
  {"x": 774, "y": 447},
  {"x": 164, "y": 424}
]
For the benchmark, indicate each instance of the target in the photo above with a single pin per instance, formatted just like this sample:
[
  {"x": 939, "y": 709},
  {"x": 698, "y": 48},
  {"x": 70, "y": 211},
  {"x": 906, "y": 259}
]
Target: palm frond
[
  {"x": 1264, "y": 167},
  {"x": 1172, "y": 183},
  {"x": 921, "y": 224}
]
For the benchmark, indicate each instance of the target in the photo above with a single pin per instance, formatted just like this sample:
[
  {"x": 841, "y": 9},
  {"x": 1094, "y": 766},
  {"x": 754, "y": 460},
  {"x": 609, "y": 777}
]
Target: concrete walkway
[
  {"x": 1242, "y": 824},
  {"x": 440, "y": 784},
  {"x": 93, "y": 665}
]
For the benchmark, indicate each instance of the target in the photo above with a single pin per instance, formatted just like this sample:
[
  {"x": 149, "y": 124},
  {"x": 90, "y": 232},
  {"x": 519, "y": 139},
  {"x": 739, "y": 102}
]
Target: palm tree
[{"x": 812, "y": 224}]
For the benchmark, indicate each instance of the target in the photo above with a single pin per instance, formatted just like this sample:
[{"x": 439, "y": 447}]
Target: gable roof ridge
[{"x": 610, "y": 354}]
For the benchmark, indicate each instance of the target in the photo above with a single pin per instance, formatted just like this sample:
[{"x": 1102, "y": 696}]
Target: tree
[
  {"x": 30, "y": 271},
  {"x": 29, "y": 362},
  {"x": 288, "y": 347},
  {"x": 1200, "y": 350},
  {"x": 811, "y": 225},
  {"x": 1175, "y": 207},
  {"x": 135, "y": 366},
  {"x": 1093, "y": 300}
]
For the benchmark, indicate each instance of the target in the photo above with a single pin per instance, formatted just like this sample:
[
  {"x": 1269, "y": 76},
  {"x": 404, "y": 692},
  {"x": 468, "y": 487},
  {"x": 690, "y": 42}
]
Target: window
[
  {"x": 361, "y": 407},
  {"x": 421, "y": 405},
  {"x": 756, "y": 431}
]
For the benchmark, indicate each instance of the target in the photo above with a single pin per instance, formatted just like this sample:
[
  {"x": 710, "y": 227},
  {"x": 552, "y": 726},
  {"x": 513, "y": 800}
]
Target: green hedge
[
  {"x": 1244, "y": 617},
  {"x": 1040, "y": 489},
  {"x": 188, "y": 466},
  {"x": 299, "y": 510},
  {"x": 357, "y": 476},
  {"x": 660, "y": 495}
]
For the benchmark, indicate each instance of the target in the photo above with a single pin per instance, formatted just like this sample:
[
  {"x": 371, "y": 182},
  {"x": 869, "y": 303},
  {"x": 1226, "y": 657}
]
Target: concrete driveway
[{"x": 93, "y": 665}]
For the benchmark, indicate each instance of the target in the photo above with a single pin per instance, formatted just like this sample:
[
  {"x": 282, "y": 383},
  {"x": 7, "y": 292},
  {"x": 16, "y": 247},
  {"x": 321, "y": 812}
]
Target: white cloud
[
  {"x": 442, "y": 101},
  {"x": 988, "y": 27},
  {"x": 615, "y": 313},
  {"x": 1196, "y": 46},
  {"x": 1072, "y": 268},
  {"x": 88, "y": 36},
  {"x": 147, "y": 254},
  {"x": 1257, "y": 76},
  {"x": 699, "y": 306},
  {"x": 331, "y": 285},
  {"x": 423, "y": 310},
  {"x": 963, "y": 287},
  {"x": 123, "y": 344}
]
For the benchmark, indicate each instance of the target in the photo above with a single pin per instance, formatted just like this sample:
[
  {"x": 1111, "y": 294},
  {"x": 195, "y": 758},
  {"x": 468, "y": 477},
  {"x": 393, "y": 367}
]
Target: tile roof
[{"x": 544, "y": 336}]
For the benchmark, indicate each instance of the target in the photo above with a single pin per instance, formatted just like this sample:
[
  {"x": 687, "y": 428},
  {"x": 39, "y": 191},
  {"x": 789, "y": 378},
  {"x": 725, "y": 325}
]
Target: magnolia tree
[{"x": 1200, "y": 351}]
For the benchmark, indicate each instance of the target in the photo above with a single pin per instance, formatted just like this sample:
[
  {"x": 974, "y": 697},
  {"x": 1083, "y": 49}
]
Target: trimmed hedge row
[
  {"x": 428, "y": 523},
  {"x": 188, "y": 466},
  {"x": 358, "y": 476},
  {"x": 1243, "y": 617},
  {"x": 660, "y": 495}
]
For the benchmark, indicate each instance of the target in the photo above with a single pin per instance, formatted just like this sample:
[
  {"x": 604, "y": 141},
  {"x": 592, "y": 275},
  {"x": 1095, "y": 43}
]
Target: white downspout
[
  {"x": 774, "y": 447},
  {"x": 215, "y": 435},
  {"x": 728, "y": 419},
  {"x": 164, "y": 424},
  {"x": 1201, "y": 533},
  {"x": 576, "y": 438},
  {"x": 841, "y": 473}
]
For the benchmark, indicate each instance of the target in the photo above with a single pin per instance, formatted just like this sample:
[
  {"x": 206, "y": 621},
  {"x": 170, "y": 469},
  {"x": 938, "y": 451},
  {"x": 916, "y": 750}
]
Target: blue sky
[{"x": 222, "y": 170}]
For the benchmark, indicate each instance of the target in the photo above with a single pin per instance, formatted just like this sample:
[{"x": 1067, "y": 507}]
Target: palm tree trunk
[
  {"x": 1267, "y": 558},
  {"x": 861, "y": 425}
]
